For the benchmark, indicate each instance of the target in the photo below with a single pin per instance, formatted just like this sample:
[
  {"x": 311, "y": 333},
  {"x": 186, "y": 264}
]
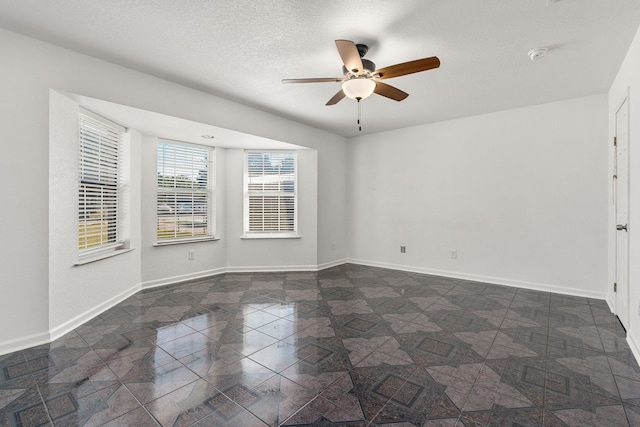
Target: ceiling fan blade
[
  {"x": 336, "y": 98},
  {"x": 408, "y": 68},
  {"x": 350, "y": 56},
  {"x": 312, "y": 80},
  {"x": 390, "y": 92}
]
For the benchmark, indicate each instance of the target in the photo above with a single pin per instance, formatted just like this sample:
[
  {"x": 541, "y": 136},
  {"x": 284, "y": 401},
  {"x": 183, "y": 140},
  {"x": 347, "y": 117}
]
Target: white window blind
[
  {"x": 270, "y": 192},
  {"x": 100, "y": 186},
  {"x": 184, "y": 197}
]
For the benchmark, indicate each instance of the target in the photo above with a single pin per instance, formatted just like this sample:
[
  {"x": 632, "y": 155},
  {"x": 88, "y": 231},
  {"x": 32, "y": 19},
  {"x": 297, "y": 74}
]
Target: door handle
[{"x": 620, "y": 227}]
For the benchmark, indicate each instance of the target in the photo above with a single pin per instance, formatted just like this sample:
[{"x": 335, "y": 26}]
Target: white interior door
[{"x": 622, "y": 212}]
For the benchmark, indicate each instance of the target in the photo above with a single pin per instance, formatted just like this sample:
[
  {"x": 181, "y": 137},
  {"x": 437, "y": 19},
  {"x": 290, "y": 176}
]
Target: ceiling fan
[{"x": 361, "y": 78}]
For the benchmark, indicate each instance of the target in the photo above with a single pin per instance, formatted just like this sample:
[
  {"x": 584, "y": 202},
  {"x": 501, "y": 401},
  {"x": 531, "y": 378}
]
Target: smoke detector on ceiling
[{"x": 539, "y": 53}]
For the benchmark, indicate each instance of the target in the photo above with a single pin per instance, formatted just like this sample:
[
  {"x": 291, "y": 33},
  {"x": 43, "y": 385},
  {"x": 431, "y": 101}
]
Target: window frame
[
  {"x": 209, "y": 191},
  {"x": 86, "y": 164},
  {"x": 284, "y": 234}
]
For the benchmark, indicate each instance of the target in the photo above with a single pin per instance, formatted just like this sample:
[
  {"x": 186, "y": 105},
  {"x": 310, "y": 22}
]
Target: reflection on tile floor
[{"x": 350, "y": 345}]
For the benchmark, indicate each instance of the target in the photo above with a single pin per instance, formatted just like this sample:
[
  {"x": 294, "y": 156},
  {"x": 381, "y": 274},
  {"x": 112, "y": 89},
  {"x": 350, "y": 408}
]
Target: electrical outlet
[
  {"x": 192, "y": 255},
  {"x": 453, "y": 253},
  {"x": 403, "y": 249}
]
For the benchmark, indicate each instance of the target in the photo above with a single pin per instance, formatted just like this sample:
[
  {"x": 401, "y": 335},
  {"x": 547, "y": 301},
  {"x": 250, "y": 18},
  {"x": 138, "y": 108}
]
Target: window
[
  {"x": 100, "y": 186},
  {"x": 270, "y": 194},
  {"x": 185, "y": 191}
]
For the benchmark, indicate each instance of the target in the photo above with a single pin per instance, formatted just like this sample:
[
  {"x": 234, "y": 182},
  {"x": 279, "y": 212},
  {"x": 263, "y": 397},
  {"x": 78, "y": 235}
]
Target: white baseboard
[
  {"x": 181, "y": 278},
  {"x": 68, "y": 326},
  {"x": 237, "y": 269},
  {"x": 634, "y": 345},
  {"x": 485, "y": 279},
  {"x": 24, "y": 342},
  {"x": 60, "y": 330},
  {"x": 267, "y": 269},
  {"x": 330, "y": 264},
  {"x": 612, "y": 306}
]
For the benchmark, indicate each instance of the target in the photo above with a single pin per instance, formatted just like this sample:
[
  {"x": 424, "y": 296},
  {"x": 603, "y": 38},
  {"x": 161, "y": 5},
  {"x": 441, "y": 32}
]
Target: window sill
[
  {"x": 183, "y": 241},
  {"x": 270, "y": 236},
  {"x": 104, "y": 255}
]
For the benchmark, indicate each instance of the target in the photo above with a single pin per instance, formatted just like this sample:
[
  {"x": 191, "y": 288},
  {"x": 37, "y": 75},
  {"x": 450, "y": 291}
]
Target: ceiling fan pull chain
[{"x": 359, "y": 115}]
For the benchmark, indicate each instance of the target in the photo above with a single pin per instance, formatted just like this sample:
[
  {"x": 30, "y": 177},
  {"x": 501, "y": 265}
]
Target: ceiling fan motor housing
[
  {"x": 362, "y": 49},
  {"x": 368, "y": 66}
]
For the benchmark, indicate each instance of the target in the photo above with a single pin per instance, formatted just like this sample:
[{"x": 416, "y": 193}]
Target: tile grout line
[
  {"x": 44, "y": 403},
  {"x": 460, "y": 320},
  {"x": 484, "y": 362},
  {"x": 613, "y": 375},
  {"x": 546, "y": 363}
]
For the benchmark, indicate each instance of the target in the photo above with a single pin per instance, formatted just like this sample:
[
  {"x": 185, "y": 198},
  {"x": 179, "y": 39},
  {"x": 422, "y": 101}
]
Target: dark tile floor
[{"x": 350, "y": 345}]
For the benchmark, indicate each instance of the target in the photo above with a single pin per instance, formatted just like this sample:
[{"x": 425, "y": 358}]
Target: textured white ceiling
[{"x": 241, "y": 50}]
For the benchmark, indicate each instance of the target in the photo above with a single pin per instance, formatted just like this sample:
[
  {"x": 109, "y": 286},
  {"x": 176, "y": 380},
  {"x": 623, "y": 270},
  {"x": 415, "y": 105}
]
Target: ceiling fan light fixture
[{"x": 359, "y": 88}]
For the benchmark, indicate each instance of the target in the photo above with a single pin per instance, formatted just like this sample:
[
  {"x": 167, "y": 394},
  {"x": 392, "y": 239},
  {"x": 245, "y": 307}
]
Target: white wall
[
  {"x": 269, "y": 254},
  {"x": 520, "y": 194},
  {"x": 82, "y": 291},
  {"x": 628, "y": 78},
  {"x": 29, "y": 70},
  {"x": 170, "y": 263}
]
